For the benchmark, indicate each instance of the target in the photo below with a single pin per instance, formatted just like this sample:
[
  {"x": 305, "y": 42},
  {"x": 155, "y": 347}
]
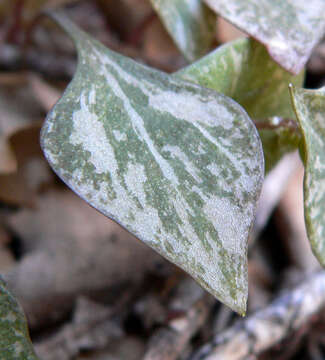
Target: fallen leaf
[
  {"x": 159, "y": 49},
  {"x": 78, "y": 250},
  {"x": 8, "y": 162},
  {"x": 46, "y": 94},
  {"x": 20, "y": 187},
  {"x": 17, "y": 110}
]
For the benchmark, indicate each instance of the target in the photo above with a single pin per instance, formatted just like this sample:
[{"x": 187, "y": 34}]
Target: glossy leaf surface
[
  {"x": 15, "y": 343},
  {"x": 288, "y": 28},
  {"x": 310, "y": 109},
  {"x": 178, "y": 165},
  {"x": 190, "y": 23}
]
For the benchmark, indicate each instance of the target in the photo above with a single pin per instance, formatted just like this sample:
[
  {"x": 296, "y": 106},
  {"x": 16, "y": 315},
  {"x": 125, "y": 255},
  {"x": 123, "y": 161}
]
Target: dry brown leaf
[
  {"x": 28, "y": 9},
  {"x": 7, "y": 259},
  {"x": 18, "y": 109},
  {"x": 46, "y": 94},
  {"x": 159, "y": 49},
  {"x": 126, "y": 16},
  {"x": 10, "y": 120},
  {"x": 128, "y": 347},
  {"x": 73, "y": 250},
  {"x": 20, "y": 187},
  {"x": 8, "y": 161},
  {"x": 92, "y": 327}
]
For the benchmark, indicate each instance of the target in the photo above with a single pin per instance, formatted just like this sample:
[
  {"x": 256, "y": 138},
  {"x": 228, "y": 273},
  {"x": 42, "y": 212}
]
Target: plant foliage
[
  {"x": 176, "y": 158},
  {"x": 178, "y": 165},
  {"x": 173, "y": 161},
  {"x": 288, "y": 28},
  {"x": 15, "y": 343},
  {"x": 310, "y": 109}
]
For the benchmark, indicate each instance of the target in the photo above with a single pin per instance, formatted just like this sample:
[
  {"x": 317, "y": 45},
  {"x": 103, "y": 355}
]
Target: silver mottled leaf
[
  {"x": 244, "y": 71},
  {"x": 310, "y": 110},
  {"x": 15, "y": 343},
  {"x": 288, "y": 28},
  {"x": 178, "y": 165},
  {"x": 190, "y": 23}
]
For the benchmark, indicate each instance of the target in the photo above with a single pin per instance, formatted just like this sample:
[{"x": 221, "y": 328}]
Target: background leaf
[
  {"x": 244, "y": 71},
  {"x": 288, "y": 28},
  {"x": 310, "y": 109},
  {"x": 190, "y": 23},
  {"x": 15, "y": 343},
  {"x": 279, "y": 139},
  {"x": 178, "y": 165}
]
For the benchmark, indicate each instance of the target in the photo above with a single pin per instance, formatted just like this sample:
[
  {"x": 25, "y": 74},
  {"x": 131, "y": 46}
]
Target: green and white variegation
[
  {"x": 310, "y": 110},
  {"x": 288, "y": 28},
  {"x": 244, "y": 71},
  {"x": 15, "y": 343},
  {"x": 178, "y": 165}
]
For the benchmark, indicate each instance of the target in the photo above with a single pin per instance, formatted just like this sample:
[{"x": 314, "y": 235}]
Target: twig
[
  {"x": 171, "y": 340},
  {"x": 259, "y": 332},
  {"x": 74, "y": 260}
]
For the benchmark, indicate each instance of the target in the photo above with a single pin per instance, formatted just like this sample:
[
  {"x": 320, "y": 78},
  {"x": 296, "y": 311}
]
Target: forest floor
[{"x": 89, "y": 289}]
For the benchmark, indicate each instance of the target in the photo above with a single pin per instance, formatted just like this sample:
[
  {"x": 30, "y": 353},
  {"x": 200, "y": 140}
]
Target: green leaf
[
  {"x": 244, "y": 71},
  {"x": 15, "y": 343},
  {"x": 310, "y": 110},
  {"x": 289, "y": 28},
  {"x": 278, "y": 141},
  {"x": 178, "y": 165},
  {"x": 190, "y": 23}
]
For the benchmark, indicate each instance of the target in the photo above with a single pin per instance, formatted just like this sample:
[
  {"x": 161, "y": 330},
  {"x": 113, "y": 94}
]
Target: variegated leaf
[
  {"x": 178, "y": 165},
  {"x": 244, "y": 71},
  {"x": 288, "y": 28},
  {"x": 190, "y": 23},
  {"x": 310, "y": 110},
  {"x": 15, "y": 343}
]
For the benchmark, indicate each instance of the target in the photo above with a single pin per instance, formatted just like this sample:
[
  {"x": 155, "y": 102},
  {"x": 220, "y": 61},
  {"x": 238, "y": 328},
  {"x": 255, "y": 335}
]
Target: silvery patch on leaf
[
  {"x": 288, "y": 28},
  {"x": 178, "y": 165},
  {"x": 310, "y": 110}
]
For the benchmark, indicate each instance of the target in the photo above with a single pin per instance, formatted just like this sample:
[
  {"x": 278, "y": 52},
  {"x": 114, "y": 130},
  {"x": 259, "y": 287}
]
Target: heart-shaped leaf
[
  {"x": 15, "y": 343},
  {"x": 244, "y": 71},
  {"x": 178, "y": 165},
  {"x": 310, "y": 110},
  {"x": 190, "y": 23},
  {"x": 288, "y": 28}
]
